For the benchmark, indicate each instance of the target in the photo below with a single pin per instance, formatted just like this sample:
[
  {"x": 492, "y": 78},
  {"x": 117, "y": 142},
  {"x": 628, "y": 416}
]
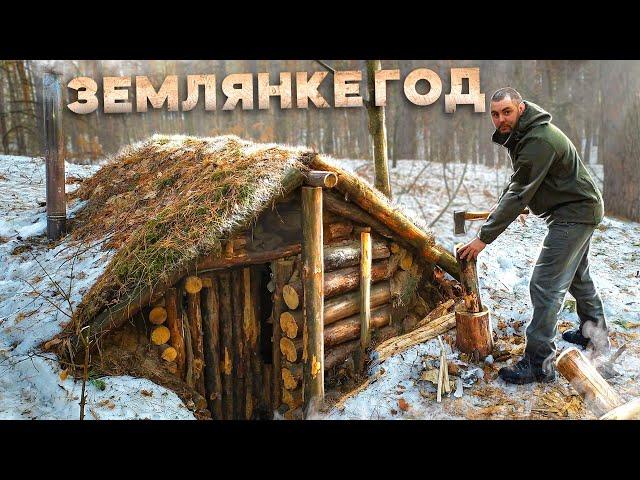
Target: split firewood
[
  {"x": 160, "y": 335},
  {"x": 440, "y": 381},
  {"x": 422, "y": 334},
  {"x": 394, "y": 247},
  {"x": 437, "y": 312},
  {"x": 443, "y": 359},
  {"x": 158, "y": 315},
  {"x": 193, "y": 284}
]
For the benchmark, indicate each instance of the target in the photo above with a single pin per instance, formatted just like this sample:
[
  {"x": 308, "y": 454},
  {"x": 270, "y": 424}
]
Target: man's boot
[
  {"x": 594, "y": 338},
  {"x": 527, "y": 371},
  {"x": 575, "y": 336}
]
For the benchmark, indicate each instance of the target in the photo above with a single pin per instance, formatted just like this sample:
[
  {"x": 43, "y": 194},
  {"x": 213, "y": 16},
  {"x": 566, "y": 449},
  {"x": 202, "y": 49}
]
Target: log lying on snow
[
  {"x": 339, "y": 281},
  {"x": 431, "y": 330},
  {"x": 393, "y": 219},
  {"x": 598, "y": 395},
  {"x": 628, "y": 411}
]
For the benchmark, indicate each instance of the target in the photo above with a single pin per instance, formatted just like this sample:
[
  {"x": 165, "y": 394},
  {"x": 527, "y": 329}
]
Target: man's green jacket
[{"x": 548, "y": 177}]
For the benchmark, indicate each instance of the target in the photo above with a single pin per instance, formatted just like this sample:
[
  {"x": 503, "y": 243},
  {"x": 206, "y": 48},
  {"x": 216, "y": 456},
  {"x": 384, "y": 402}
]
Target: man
[{"x": 552, "y": 181}]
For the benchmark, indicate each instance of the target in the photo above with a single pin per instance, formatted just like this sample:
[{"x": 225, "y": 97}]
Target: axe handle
[{"x": 483, "y": 215}]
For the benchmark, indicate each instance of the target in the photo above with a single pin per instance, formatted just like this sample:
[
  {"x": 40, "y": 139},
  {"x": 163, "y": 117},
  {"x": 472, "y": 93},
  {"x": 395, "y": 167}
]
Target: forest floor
[
  {"x": 401, "y": 386},
  {"x": 40, "y": 285}
]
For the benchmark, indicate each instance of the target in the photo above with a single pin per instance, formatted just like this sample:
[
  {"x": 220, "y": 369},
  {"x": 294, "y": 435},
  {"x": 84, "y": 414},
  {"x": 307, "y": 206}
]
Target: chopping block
[{"x": 473, "y": 323}]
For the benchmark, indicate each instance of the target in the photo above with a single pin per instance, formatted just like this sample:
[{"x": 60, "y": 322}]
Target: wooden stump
[
  {"x": 582, "y": 375},
  {"x": 473, "y": 332}
]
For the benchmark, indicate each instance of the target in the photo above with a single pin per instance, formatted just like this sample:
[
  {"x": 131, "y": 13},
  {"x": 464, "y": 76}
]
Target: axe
[{"x": 459, "y": 217}]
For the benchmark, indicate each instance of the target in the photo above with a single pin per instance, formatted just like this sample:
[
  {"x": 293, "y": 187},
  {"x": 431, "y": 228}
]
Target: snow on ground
[
  {"x": 505, "y": 267},
  {"x": 39, "y": 286}
]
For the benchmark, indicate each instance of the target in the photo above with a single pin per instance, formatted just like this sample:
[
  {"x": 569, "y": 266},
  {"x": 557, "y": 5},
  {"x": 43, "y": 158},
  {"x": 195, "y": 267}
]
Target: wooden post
[
  {"x": 197, "y": 345},
  {"x": 174, "y": 324},
  {"x": 211, "y": 331},
  {"x": 238, "y": 344},
  {"x": 282, "y": 273},
  {"x": 250, "y": 343},
  {"x": 365, "y": 298},
  {"x": 54, "y": 155},
  {"x": 313, "y": 281},
  {"x": 596, "y": 392},
  {"x": 226, "y": 347}
]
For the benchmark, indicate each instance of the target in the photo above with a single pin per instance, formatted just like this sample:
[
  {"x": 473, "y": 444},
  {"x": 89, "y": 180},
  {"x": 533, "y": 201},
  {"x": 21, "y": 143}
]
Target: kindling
[{"x": 238, "y": 88}]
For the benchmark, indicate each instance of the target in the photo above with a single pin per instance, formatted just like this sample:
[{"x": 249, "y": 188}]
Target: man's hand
[{"x": 472, "y": 249}]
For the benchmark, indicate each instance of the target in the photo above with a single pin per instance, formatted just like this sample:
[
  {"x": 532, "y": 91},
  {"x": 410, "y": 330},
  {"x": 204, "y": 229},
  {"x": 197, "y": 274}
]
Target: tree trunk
[{"x": 378, "y": 132}]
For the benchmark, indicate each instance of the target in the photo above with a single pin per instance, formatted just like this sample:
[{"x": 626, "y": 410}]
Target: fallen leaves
[{"x": 403, "y": 404}]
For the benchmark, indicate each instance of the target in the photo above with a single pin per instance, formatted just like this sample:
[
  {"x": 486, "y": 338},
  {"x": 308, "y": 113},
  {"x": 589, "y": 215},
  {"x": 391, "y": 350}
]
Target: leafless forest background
[{"x": 596, "y": 103}]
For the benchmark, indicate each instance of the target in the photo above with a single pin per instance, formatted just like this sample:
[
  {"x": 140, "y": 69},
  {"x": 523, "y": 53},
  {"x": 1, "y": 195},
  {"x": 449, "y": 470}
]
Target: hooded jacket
[{"x": 548, "y": 177}]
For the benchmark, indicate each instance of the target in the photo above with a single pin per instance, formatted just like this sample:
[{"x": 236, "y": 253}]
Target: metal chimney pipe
[{"x": 54, "y": 155}]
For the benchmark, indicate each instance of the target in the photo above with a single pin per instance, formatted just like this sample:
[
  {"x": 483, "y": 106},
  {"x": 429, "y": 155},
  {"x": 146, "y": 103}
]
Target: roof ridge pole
[
  {"x": 54, "y": 155},
  {"x": 313, "y": 303}
]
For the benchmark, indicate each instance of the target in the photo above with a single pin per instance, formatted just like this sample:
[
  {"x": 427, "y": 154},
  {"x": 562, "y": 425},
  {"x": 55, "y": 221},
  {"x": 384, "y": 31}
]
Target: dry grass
[{"x": 168, "y": 200}]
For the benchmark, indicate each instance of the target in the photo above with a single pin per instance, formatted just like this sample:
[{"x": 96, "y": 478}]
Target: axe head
[{"x": 459, "y": 222}]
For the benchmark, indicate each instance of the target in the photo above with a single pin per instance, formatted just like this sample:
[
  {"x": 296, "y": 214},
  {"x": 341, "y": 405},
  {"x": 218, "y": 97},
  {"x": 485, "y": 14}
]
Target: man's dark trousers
[{"x": 563, "y": 265}]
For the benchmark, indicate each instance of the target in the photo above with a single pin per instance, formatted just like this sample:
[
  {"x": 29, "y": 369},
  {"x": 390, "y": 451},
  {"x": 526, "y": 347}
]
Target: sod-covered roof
[{"x": 165, "y": 202}]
